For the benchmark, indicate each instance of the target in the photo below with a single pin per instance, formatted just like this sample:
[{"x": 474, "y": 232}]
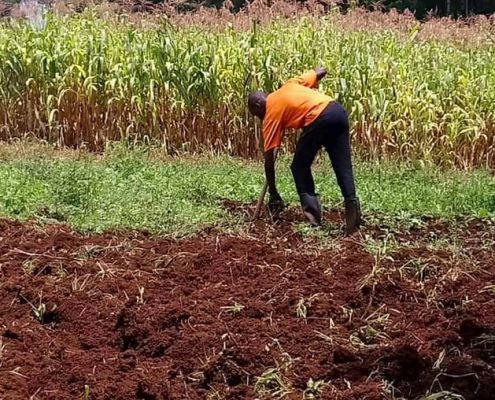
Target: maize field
[{"x": 82, "y": 80}]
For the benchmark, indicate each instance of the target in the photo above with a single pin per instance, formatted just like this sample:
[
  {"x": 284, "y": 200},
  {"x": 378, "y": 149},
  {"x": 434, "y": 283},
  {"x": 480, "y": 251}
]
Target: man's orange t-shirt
[{"x": 295, "y": 105}]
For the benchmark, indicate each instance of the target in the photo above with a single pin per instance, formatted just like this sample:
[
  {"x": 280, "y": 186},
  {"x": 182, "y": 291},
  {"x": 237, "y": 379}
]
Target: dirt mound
[{"x": 270, "y": 312}]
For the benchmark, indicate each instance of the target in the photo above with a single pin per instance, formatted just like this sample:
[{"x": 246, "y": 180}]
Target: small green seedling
[
  {"x": 236, "y": 308},
  {"x": 313, "y": 389},
  {"x": 271, "y": 384},
  {"x": 87, "y": 393},
  {"x": 303, "y": 306},
  {"x": 39, "y": 312},
  {"x": 29, "y": 266}
]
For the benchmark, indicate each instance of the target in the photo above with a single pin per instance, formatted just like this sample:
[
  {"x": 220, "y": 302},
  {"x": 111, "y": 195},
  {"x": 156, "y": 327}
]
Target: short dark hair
[{"x": 253, "y": 98}]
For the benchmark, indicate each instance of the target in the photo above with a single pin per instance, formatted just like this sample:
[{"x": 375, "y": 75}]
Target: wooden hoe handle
[{"x": 261, "y": 199}]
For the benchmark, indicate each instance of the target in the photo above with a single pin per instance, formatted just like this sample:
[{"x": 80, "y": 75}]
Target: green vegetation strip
[{"x": 133, "y": 189}]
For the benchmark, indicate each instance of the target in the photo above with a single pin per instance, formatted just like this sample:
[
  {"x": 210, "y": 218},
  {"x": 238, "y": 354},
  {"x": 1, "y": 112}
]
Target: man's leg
[
  {"x": 338, "y": 146},
  {"x": 306, "y": 150},
  {"x": 339, "y": 150}
]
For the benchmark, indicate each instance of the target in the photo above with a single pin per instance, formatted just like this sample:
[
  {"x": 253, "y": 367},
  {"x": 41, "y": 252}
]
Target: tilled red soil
[{"x": 246, "y": 316}]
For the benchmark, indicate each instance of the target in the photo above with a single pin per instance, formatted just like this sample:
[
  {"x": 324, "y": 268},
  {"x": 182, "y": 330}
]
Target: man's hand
[
  {"x": 320, "y": 73},
  {"x": 275, "y": 204}
]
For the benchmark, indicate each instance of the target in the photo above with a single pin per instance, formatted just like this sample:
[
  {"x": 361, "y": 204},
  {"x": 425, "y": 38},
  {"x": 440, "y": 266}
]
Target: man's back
[{"x": 295, "y": 105}]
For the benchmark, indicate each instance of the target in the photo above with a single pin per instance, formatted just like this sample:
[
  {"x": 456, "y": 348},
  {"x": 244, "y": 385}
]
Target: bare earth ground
[{"x": 253, "y": 315}]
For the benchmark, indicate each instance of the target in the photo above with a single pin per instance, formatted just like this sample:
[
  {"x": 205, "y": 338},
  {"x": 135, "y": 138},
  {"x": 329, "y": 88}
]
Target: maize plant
[{"x": 84, "y": 80}]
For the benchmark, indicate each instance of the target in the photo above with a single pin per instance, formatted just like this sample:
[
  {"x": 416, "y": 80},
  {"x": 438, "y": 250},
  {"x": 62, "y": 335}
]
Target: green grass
[{"x": 136, "y": 189}]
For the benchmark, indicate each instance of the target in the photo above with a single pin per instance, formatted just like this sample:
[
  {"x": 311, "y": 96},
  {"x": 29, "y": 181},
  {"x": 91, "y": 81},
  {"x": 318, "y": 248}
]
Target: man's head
[{"x": 257, "y": 104}]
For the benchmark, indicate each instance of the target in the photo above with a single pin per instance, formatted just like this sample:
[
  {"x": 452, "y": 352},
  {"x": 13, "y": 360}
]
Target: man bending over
[{"x": 325, "y": 123}]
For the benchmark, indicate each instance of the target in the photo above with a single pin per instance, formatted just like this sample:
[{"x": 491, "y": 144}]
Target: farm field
[
  {"x": 130, "y": 263},
  {"x": 220, "y": 307},
  {"x": 269, "y": 313}
]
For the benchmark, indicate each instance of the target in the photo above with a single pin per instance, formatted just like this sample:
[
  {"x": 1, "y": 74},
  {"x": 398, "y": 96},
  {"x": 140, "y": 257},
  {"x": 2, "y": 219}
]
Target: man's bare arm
[
  {"x": 275, "y": 203},
  {"x": 270, "y": 172}
]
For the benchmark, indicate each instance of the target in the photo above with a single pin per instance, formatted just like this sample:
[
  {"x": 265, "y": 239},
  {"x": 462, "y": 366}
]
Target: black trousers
[{"x": 331, "y": 131}]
